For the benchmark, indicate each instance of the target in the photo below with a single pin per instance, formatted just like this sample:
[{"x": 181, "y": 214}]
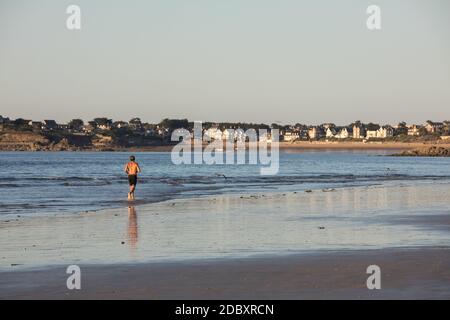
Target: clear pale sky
[{"x": 267, "y": 61}]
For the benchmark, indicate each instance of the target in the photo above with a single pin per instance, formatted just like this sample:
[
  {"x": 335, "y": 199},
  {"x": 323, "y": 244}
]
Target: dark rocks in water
[
  {"x": 321, "y": 228},
  {"x": 308, "y": 191},
  {"x": 433, "y": 151}
]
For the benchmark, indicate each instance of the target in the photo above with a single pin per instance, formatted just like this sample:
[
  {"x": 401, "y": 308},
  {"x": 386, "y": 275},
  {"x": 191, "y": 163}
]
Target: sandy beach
[
  {"x": 298, "y": 146},
  {"x": 262, "y": 246},
  {"x": 339, "y": 145},
  {"x": 407, "y": 274}
]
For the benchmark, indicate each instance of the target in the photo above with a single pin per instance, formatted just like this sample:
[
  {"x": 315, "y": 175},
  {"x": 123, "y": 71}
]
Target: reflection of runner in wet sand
[
  {"x": 132, "y": 227},
  {"x": 132, "y": 169}
]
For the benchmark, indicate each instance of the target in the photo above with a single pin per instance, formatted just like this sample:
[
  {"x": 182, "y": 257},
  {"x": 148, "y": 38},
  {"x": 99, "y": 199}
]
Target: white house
[
  {"x": 267, "y": 137},
  {"x": 358, "y": 132},
  {"x": 214, "y": 133},
  {"x": 240, "y": 135},
  {"x": 180, "y": 132},
  {"x": 330, "y": 133},
  {"x": 229, "y": 134},
  {"x": 343, "y": 134},
  {"x": 313, "y": 133},
  {"x": 382, "y": 132},
  {"x": 371, "y": 134},
  {"x": 385, "y": 132},
  {"x": 434, "y": 127},
  {"x": 35, "y": 124},
  {"x": 290, "y": 136},
  {"x": 413, "y": 130}
]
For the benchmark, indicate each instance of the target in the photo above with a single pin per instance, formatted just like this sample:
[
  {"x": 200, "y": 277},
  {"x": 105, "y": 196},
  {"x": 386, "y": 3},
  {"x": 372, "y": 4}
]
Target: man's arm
[
  {"x": 138, "y": 168},
  {"x": 126, "y": 168}
]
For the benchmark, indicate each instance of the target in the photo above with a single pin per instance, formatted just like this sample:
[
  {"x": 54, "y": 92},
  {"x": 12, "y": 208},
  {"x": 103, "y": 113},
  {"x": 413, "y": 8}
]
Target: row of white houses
[{"x": 356, "y": 132}]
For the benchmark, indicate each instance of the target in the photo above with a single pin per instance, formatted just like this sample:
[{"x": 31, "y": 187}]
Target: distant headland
[{"x": 103, "y": 134}]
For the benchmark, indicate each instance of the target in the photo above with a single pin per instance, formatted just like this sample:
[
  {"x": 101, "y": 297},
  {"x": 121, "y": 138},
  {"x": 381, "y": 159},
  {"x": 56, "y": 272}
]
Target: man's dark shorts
[{"x": 132, "y": 180}]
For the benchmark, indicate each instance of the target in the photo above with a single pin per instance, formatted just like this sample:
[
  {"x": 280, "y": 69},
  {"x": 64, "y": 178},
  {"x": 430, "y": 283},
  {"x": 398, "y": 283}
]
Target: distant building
[
  {"x": 344, "y": 133},
  {"x": 228, "y": 134},
  {"x": 316, "y": 133},
  {"x": 359, "y": 132},
  {"x": 447, "y": 124},
  {"x": 371, "y": 134},
  {"x": 21, "y": 122},
  {"x": 385, "y": 132},
  {"x": 328, "y": 125},
  {"x": 4, "y": 120},
  {"x": 240, "y": 135},
  {"x": 265, "y": 137},
  {"x": 413, "y": 130},
  {"x": 313, "y": 133},
  {"x": 303, "y": 133},
  {"x": 36, "y": 125},
  {"x": 290, "y": 136},
  {"x": 162, "y": 132},
  {"x": 180, "y": 132},
  {"x": 49, "y": 125},
  {"x": 103, "y": 123},
  {"x": 88, "y": 128},
  {"x": 105, "y": 126},
  {"x": 434, "y": 127},
  {"x": 3, "y": 123},
  {"x": 382, "y": 133},
  {"x": 214, "y": 133},
  {"x": 330, "y": 133},
  {"x": 120, "y": 124}
]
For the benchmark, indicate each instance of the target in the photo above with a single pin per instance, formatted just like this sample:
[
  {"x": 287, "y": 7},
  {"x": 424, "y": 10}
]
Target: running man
[{"x": 132, "y": 169}]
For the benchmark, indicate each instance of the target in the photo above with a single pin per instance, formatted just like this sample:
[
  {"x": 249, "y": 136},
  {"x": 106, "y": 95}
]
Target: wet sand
[
  {"x": 405, "y": 274},
  {"x": 288, "y": 245}
]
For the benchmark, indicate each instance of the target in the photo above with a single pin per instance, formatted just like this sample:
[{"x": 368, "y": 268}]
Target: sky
[{"x": 283, "y": 61}]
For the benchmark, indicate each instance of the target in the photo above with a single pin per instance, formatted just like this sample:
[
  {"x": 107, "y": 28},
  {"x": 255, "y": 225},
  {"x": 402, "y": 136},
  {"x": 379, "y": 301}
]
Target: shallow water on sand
[
  {"x": 234, "y": 226},
  {"x": 63, "y": 182}
]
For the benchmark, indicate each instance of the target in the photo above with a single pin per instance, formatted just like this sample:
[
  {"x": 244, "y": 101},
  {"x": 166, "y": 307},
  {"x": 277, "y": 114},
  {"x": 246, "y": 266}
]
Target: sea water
[{"x": 38, "y": 183}]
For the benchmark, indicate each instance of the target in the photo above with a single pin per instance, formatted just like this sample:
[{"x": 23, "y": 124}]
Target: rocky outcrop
[
  {"x": 30, "y": 141},
  {"x": 62, "y": 145},
  {"x": 103, "y": 143},
  {"x": 57, "y": 141},
  {"x": 433, "y": 151},
  {"x": 23, "y": 141}
]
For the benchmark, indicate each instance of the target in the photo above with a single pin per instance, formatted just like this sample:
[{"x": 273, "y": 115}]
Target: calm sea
[{"x": 60, "y": 182}]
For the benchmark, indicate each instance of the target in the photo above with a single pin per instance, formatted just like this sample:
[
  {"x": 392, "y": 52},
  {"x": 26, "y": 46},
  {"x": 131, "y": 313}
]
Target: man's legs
[
  {"x": 132, "y": 188},
  {"x": 132, "y": 179}
]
